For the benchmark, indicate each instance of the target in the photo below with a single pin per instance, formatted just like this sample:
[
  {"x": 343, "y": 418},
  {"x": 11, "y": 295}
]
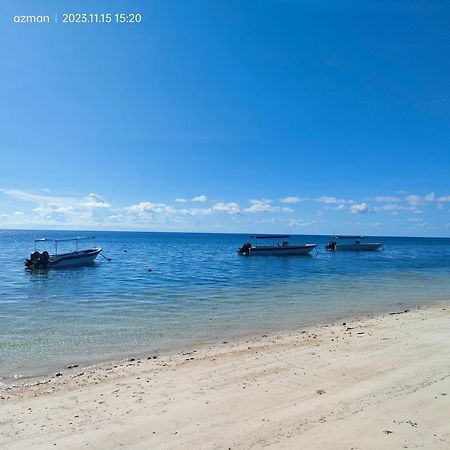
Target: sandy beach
[{"x": 380, "y": 382}]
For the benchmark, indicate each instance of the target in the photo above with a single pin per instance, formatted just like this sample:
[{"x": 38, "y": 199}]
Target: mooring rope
[{"x": 103, "y": 256}]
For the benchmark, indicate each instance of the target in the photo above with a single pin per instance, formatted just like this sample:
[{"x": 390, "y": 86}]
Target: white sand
[{"x": 383, "y": 384}]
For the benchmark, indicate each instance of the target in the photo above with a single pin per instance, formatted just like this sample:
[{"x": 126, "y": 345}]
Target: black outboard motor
[
  {"x": 331, "y": 246},
  {"x": 44, "y": 259},
  {"x": 34, "y": 257},
  {"x": 38, "y": 260},
  {"x": 245, "y": 249}
]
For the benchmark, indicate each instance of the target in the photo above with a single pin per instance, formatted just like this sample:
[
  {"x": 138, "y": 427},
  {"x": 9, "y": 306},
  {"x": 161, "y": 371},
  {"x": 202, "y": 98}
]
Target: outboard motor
[
  {"x": 32, "y": 261},
  {"x": 245, "y": 249},
  {"x": 37, "y": 260},
  {"x": 331, "y": 246},
  {"x": 44, "y": 259}
]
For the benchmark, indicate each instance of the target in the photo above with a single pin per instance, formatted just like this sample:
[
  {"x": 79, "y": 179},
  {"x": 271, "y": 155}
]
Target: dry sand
[{"x": 381, "y": 382}]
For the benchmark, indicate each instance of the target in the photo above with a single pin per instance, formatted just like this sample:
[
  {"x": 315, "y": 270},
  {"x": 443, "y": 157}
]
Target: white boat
[
  {"x": 352, "y": 243},
  {"x": 282, "y": 247},
  {"x": 57, "y": 260}
]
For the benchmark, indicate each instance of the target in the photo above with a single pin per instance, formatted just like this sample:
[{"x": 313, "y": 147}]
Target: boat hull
[
  {"x": 73, "y": 259},
  {"x": 369, "y": 247},
  {"x": 282, "y": 251}
]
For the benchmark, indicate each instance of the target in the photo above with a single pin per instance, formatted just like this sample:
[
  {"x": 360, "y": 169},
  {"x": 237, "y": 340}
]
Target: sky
[{"x": 301, "y": 117}]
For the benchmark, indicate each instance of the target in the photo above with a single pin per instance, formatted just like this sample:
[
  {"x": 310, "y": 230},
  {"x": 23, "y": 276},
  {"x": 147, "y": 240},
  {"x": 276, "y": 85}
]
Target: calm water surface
[{"x": 199, "y": 290}]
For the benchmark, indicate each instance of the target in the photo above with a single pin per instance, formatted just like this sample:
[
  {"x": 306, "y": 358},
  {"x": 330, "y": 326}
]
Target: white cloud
[
  {"x": 414, "y": 200},
  {"x": 267, "y": 221},
  {"x": 200, "y": 199},
  {"x": 230, "y": 207},
  {"x": 61, "y": 209},
  {"x": 374, "y": 224},
  {"x": 49, "y": 209},
  {"x": 93, "y": 211},
  {"x": 260, "y": 206},
  {"x": 145, "y": 209},
  {"x": 197, "y": 211},
  {"x": 149, "y": 208},
  {"x": 392, "y": 207},
  {"x": 39, "y": 198},
  {"x": 299, "y": 223},
  {"x": 333, "y": 200},
  {"x": 59, "y": 203},
  {"x": 292, "y": 199},
  {"x": 95, "y": 201},
  {"x": 395, "y": 207},
  {"x": 361, "y": 208},
  {"x": 114, "y": 217},
  {"x": 386, "y": 199}
]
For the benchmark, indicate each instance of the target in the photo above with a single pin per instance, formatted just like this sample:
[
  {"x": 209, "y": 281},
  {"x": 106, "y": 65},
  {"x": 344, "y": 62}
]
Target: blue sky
[{"x": 275, "y": 116}]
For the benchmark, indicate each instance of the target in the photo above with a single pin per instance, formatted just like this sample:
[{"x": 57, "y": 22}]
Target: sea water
[{"x": 166, "y": 291}]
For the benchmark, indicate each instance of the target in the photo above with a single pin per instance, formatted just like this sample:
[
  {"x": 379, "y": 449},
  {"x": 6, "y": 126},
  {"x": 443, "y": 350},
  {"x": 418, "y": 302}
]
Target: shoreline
[
  {"x": 381, "y": 381},
  {"x": 54, "y": 371}
]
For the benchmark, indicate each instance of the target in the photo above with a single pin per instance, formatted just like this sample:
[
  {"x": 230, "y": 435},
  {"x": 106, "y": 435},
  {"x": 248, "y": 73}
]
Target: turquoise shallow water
[{"x": 199, "y": 290}]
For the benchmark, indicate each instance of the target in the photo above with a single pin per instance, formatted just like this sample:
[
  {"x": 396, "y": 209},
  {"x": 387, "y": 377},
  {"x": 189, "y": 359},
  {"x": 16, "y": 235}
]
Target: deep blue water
[{"x": 199, "y": 290}]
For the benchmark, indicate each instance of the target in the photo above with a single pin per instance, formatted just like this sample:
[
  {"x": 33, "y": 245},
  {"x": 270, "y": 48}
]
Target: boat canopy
[
  {"x": 276, "y": 236},
  {"x": 78, "y": 238},
  {"x": 347, "y": 237},
  {"x": 57, "y": 241}
]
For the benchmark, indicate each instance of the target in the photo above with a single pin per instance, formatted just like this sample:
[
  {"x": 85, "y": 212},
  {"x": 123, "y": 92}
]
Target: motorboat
[
  {"x": 352, "y": 243},
  {"x": 278, "y": 245},
  {"x": 57, "y": 260}
]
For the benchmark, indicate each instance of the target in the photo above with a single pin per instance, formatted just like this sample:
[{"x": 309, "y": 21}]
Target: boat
[
  {"x": 57, "y": 260},
  {"x": 280, "y": 246},
  {"x": 352, "y": 243}
]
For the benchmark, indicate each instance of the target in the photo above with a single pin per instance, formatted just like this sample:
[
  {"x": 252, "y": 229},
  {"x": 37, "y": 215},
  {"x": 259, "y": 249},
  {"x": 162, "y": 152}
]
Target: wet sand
[{"x": 380, "y": 382}]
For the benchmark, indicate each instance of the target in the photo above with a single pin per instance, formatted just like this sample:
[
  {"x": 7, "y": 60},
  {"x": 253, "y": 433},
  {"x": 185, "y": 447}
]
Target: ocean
[{"x": 169, "y": 291}]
